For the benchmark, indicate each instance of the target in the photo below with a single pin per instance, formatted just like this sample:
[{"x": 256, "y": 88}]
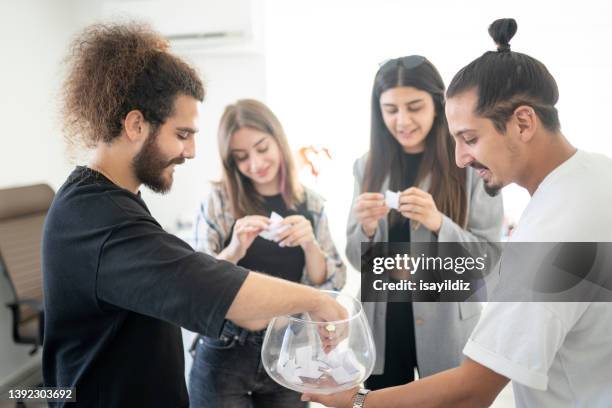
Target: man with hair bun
[
  {"x": 117, "y": 287},
  {"x": 501, "y": 113}
]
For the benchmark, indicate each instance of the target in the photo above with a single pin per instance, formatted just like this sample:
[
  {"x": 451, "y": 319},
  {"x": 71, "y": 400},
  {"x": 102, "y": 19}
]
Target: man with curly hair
[{"x": 117, "y": 287}]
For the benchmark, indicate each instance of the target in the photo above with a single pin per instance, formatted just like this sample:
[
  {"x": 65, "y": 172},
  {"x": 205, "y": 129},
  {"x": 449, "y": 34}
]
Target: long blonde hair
[{"x": 244, "y": 198}]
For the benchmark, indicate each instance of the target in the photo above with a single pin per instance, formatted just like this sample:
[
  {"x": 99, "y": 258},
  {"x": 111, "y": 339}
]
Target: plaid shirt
[{"x": 215, "y": 221}]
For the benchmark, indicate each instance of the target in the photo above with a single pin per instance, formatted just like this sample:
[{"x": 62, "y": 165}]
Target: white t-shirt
[{"x": 556, "y": 354}]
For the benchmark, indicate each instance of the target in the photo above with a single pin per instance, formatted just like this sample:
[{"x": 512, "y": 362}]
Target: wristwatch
[{"x": 360, "y": 398}]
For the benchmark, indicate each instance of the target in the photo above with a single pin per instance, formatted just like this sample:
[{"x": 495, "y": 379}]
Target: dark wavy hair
[
  {"x": 114, "y": 69},
  {"x": 384, "y": 158},
  {"x": 505, "y": 80}
]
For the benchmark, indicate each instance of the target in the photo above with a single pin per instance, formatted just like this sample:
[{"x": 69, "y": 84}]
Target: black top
[
  {"x": 399, "y": 226},
  {"x": 116, "y": 289},
  {"x": 267, "y": 257},
  {"x": 400, "y": 349}
]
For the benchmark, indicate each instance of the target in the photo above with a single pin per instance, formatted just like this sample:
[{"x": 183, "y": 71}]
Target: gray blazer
[{"x": 441, "y": 328}]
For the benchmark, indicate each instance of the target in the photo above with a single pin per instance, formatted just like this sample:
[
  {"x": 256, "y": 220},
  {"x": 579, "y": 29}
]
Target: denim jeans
[{"x": 228, "y": 372}]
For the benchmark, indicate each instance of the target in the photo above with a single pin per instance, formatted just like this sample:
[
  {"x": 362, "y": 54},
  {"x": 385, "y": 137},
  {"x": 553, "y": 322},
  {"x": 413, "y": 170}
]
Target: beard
[
  {"x": 491, "y": 189},
  {"x": 149, "y": 165}
]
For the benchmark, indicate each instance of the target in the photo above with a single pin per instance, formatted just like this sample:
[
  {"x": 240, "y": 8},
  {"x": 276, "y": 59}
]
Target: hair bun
[{"x": 502, "y": 31}]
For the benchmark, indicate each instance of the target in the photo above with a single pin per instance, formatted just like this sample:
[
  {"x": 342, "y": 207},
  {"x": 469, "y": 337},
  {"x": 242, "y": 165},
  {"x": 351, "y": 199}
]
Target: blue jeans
[{"x": 228, "y": 372}]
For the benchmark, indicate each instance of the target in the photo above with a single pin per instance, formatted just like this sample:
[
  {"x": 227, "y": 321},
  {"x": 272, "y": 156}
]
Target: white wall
[{"x": 34, "y": 37}]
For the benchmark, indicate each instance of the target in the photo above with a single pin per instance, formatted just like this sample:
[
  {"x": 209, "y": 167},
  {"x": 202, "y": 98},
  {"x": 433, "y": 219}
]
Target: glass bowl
[{"x": 297, "y": 355}]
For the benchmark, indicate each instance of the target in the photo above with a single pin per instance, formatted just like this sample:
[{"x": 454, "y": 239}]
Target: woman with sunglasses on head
[
  {"x": 412, "y": 152},
  {"x": 259, "y": 179}
]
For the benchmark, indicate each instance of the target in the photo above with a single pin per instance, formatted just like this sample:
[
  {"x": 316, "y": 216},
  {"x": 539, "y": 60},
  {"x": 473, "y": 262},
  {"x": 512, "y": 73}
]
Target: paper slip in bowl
[
  {"x": 342, "y": 376},
  {"x": 288, "y": 371},
  {"x": 296, "y": 355},
  {"x": 304, "y": 370}
]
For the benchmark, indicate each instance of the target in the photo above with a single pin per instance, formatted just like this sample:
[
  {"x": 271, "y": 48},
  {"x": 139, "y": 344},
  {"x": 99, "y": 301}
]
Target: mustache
[
  {"x": 178, "y": 160},
  {"x": 478, "y": 166}
]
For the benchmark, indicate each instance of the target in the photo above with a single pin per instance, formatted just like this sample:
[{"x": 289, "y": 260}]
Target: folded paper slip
[{"x": 392, "y": 199}]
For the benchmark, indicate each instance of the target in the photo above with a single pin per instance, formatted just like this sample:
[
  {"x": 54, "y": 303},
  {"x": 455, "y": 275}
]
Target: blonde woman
[{"x": 259, "y": 178}]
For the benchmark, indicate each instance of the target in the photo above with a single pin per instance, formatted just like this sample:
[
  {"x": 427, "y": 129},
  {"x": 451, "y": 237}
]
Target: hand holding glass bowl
[{"x": 309, "y": 354}]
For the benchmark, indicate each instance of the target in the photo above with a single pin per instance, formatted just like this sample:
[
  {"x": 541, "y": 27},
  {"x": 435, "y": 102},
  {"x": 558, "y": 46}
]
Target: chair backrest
[{"x": 22, "y": 215}]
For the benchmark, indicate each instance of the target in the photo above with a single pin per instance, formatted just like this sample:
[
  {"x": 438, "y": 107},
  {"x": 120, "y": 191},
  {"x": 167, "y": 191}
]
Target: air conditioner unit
[{"x": 190, "y": 24}]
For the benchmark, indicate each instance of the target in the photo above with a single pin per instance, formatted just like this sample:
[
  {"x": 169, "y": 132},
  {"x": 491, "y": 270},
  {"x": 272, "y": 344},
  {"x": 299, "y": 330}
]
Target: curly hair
[{"x": 114, "y": 69}]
